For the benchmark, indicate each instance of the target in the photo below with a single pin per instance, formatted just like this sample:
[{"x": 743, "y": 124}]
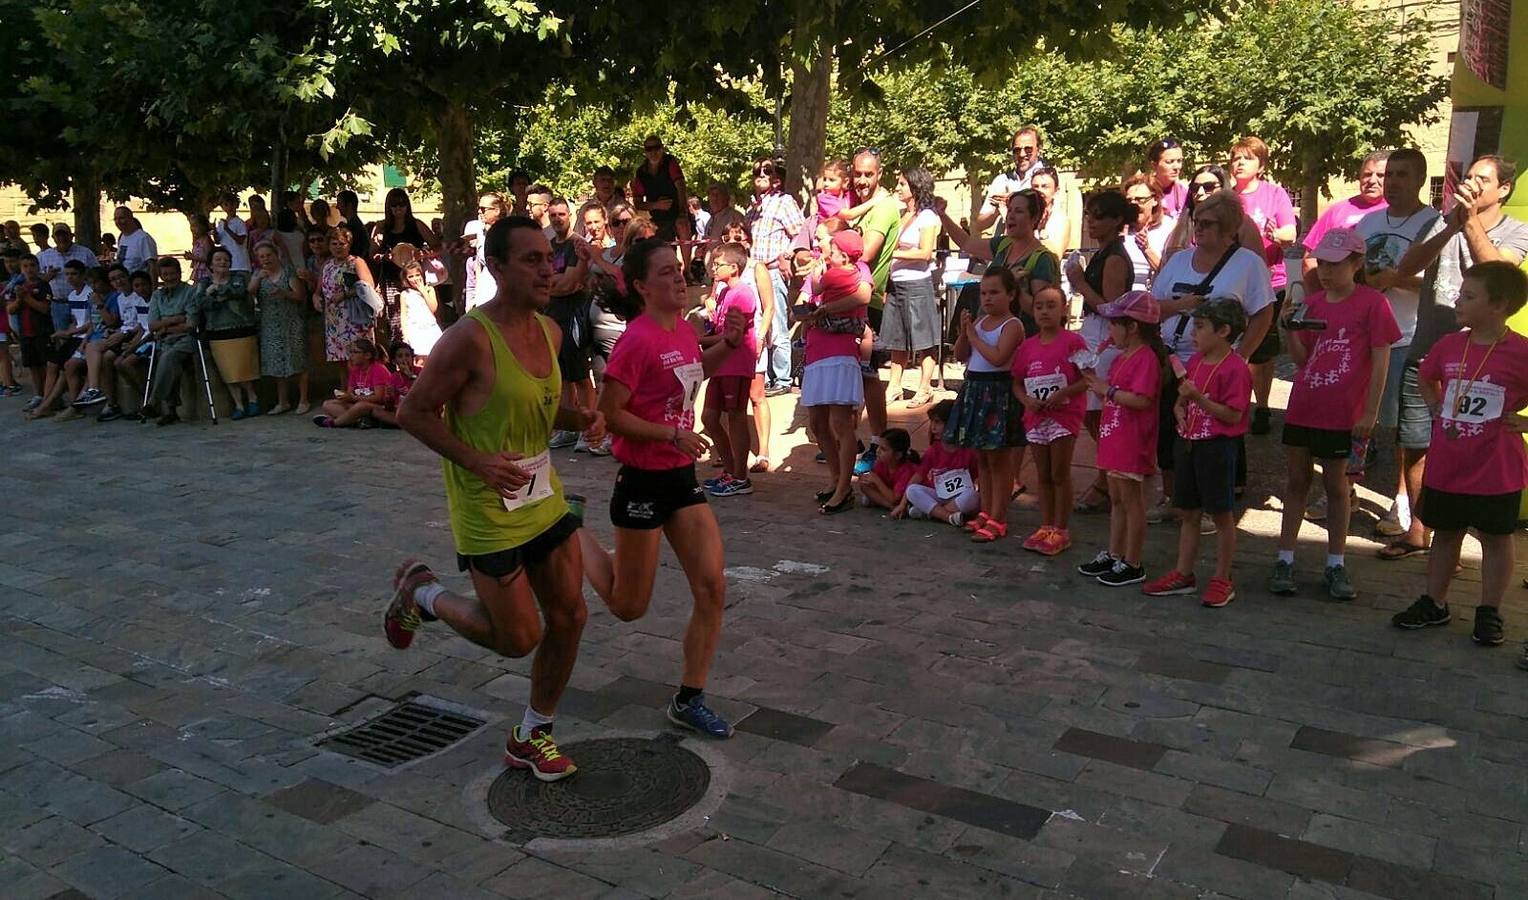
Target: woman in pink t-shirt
[
  {"x": 1165, "y": 157},
  {"x": 1269, "y": 208},
  {"x": 650, "y": 387}
]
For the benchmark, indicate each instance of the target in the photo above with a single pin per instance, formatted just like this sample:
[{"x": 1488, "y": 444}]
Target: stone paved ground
[{"x": 186, "y": 611}]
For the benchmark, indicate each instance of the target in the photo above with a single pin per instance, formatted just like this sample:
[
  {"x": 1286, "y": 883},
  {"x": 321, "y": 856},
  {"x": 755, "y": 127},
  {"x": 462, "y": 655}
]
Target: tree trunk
[
  {"x": 1310, "y": 187},
  {"x": 810, "y": 89},
  {"x": 278, "y": 169},
  {"x": 87, "y": 210},
  {"x": 458, "y": 182}
]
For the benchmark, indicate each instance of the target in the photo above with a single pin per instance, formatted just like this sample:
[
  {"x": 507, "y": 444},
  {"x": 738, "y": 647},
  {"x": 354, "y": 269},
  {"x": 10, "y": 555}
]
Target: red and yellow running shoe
[{"x": 539, "y": 754}]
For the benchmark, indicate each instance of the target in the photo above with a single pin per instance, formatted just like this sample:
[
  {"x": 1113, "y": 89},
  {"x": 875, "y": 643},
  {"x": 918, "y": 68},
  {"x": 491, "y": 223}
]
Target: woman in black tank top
[{"x": 398, "y": 226}]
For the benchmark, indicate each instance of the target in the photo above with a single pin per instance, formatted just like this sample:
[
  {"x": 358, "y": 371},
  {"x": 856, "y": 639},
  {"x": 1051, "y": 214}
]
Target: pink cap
[
  {"x": 1338, "y": 244},
  {"x": 850, "y": 243},
  {"x": 1137, "y": 305}
]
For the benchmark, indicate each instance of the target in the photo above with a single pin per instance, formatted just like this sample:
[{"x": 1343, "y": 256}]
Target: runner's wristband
[{"x": 1113, "y": 389}]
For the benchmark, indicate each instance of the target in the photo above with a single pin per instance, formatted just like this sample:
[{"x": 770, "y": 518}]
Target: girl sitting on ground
[
  {"x": 942, "y": 488},
  {"x": 895, "y": 464},
  {"x": 369, "y": 390}
]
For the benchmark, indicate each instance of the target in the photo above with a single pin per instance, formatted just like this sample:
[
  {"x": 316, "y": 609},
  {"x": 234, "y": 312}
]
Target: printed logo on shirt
[{"x": 1331, "y": 370}]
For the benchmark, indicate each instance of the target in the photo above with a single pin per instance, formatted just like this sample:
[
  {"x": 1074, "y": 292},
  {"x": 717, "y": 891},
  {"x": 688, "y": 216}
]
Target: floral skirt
[{"x": 986, "y": 414}]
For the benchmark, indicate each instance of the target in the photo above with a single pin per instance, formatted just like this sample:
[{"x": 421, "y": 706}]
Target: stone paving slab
[{"x": 917, "y": 716}]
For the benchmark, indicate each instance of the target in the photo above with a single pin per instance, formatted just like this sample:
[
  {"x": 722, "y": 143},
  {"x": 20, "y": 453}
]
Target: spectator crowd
[{"x": 1189, "y": 283}]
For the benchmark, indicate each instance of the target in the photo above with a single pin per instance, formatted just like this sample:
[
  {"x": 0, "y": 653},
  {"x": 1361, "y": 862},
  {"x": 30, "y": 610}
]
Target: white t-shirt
[
  {"x": 910, "y": 239},
  {"x": 1244, "y": 276},
  {"x": 134, "y": 310},
  {"x": 238, "y": 249},
  {"x": 1141, "y": 276},
  {"x": 1387, "y": 238},
  {"x": 137, "y": 251}
]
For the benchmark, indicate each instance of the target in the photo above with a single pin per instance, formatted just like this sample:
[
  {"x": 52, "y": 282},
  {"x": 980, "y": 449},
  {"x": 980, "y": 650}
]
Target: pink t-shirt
[
  {"x": 1173, "y": 200},
  {"x": 663, "y": 371},
  {"x": 1127, "y": 438},
  {"x": 742, "y": 298},
  {"x": 836, "y": 284},
  {"x": 897, "y": 478},
  {"x": 1267, "y": 201},
  {"x": 822, "y": 344},
  {"x": 401, "y": 384},
  {"x": 1037, "y": 366},
  {"x": 1329, "y": 390},
  {"x": 369, "y": 381},
  {"x": 1228, "y": 381},
  {"x": 1471, "y": 452},
  {"x": 1342, "y": 214},
  {"x": 830, "y": 204},
  {"x": 941, "y": 458}
]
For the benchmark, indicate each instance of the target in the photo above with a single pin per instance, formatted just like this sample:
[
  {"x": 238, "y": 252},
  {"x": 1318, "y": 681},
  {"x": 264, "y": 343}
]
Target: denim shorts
[{"x": 1415, "y": 419}]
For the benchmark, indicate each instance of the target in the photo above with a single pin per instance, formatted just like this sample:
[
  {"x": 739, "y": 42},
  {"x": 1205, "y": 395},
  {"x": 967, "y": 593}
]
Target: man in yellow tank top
[{"x": 487, "y": 403}]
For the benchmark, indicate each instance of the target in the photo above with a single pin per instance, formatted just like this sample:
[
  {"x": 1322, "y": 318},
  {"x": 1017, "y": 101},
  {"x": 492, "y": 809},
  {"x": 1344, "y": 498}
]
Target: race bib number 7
[
  {"x": 1484, "y": 402},
  {"x": 539, "y": 468},
  {"x": 690, "y": 376}
]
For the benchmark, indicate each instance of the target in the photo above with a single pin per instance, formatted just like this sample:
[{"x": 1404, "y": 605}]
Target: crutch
[
  {"x": 201, "y": 359},
  {"x": 148, "y": 379}
]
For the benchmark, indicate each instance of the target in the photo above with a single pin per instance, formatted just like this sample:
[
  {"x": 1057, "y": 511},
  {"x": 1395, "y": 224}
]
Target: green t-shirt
[{"x": 885, "y": 219}]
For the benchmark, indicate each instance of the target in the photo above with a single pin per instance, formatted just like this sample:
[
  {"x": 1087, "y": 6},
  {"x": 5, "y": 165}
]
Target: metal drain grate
[{"x": 407, "y": 732}]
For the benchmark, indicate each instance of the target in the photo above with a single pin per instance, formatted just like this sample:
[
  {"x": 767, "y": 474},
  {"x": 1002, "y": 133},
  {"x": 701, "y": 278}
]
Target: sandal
[
  {"x": 828, "y": 509},
  {"x": 825, "y": 496},
  {"x": 761, "y": 465},
  {"x": 1400, "y": 550},
  {"x": 990, "y": 532},
  {"x": 1018, "y": 492},
  {"x": 976, "y": 523}
]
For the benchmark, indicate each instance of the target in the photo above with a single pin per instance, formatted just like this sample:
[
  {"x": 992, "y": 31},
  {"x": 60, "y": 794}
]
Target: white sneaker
[
  {"x": 562, "y": 439},
  {"x": 581, "y": 445},
  {"x": 1160, "y": 512}
]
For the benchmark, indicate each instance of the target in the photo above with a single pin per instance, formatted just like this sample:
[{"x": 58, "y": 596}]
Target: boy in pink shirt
[
  {"x": 725, "y": 416},
  {"x": 1214, "y": 393},
  {"x": 1474, "y": 382},
  {"x": 1340, "y": 343}
]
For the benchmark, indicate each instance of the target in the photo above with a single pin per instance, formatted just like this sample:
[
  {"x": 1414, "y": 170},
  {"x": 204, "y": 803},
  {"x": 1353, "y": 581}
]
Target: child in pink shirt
[
  {"x": 896, "y": 462},
  {"x": 1214, "y": 395},
  {"x": 1048, "y": 381},
  {"x": 725, "y": 416},
  {"x": 1127, "y": 433},
  {"x": 943, "y": 487},
  {"x": 369, "y": 389},
  {"x": 1475, "y": 382},
  {"x": 1340, "y": 341}
]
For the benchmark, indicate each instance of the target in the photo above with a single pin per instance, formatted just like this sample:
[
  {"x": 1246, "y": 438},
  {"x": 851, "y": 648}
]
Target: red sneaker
[
  {"x": 539, "y": 754},
  {"x": 1170, "y": 584},
  {"x": 1038, "y": 540},
  {"x": 1057, "y": 542},
  {"x": 402, "y": 616},
  {"x": 1218, "y": 593}
]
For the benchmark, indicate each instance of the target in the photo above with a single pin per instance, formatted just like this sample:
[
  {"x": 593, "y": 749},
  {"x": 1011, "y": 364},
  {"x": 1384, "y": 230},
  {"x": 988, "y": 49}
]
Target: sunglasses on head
[{"x": 872, "y": 151}]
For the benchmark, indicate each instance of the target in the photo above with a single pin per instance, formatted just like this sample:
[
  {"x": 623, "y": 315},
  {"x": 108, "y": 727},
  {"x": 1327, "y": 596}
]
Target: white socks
[
  {"x": 1287, "y": 556},
  {"x": 1334, "y": 559},
  {"x": 532, "y": 719},
  {"x": 425, "y": 595}
]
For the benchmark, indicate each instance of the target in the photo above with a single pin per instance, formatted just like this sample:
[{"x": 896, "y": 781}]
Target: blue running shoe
[
  {"x": 696, "y": 716},
  {"x": 733, "y": 487},
  {"x": 866, "y": 462},
  {"x": 712, "y": 484}
]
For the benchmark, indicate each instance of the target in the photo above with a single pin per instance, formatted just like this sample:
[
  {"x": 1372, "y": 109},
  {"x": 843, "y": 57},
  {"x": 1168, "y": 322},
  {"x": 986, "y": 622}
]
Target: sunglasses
[
  {"x": 1203, "y": 187},
  {"x": 652, "y": 148},
  {"x": 1024, "y": 149},
  {"x": 1144, "y": 199},
  {"x": 620, "y": 221}
]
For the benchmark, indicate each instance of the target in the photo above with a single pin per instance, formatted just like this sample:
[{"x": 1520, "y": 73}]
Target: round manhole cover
[{"x": 622, "y": 786}]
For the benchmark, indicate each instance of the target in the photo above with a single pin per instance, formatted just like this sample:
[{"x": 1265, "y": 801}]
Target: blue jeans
[{"x": 778, "y": 372}]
